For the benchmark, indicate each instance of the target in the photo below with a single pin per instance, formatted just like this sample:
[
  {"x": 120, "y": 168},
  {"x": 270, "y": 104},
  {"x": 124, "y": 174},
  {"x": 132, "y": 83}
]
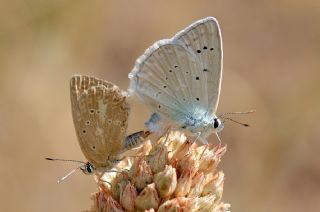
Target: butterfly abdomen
[{"x": 135, "y": 139}]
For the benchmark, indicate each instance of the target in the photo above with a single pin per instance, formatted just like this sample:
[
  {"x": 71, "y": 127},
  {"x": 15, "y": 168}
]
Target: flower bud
[
  {"x": 148, "y": 198},
  {"x": 128, "y": 197},
  {"x": 176, "y": 204},
  {"x": 184, "y": 150},
  {"x": 158, "y": 158},
  {"x": 198, "y": 183},
  {"x": 189, "y": 162},
  {"x": 184, "y": 183},
  {"x": 166, "y": 181},
  {"x": 214, "y": 186},
  {"x": 104, "y": 202},
  {"x": 140, "y": 173},
  {"x": 205, "y": 203}
]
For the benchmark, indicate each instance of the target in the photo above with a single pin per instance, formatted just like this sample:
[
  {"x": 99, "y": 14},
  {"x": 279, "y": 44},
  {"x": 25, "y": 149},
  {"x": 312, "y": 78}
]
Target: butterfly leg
[
  {"x": 219, "y": 140},
  {"x": 206, "y": 143}
]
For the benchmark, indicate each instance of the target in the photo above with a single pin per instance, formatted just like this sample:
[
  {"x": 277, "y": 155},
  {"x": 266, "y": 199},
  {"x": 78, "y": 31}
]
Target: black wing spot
[
  {"x": 87, "y": 122},
  {"x": 84, "y": 131},
  {"x": 159, "y": 106},
  {"x": 164, "y": 86},
  {"x": 175, "y": 66},
  {"x": 167, "y": 78},
  {"x": 170, "y": 70},
  {"x": 93, "y": 147},
  {"x": 98, "y": 111},
  {"x": 198, "y": 51},
  {"x": 91, "y": 111},
  {"x": 211, "y": 49},
  {"x": 187, "y": 72},
  {"x": 197, "y": 78},
  {"x": 205, "y": 47},
  {"x": 197, "y": 99},
  {"x": 206, "y": 70}
]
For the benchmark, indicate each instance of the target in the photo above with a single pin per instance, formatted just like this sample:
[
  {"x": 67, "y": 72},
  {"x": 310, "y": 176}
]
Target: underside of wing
[
  {"x": 168, "y": 78},
  {"x": 203, "y": 38},
  {"x": 100, "y": 114}
]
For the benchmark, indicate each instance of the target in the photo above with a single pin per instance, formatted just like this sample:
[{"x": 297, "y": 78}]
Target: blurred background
[{"x": 271, "y": 64}]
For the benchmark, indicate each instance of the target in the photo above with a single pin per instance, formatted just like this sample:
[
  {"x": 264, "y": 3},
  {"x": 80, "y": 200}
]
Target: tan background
[{"x": 271, "y": 63}]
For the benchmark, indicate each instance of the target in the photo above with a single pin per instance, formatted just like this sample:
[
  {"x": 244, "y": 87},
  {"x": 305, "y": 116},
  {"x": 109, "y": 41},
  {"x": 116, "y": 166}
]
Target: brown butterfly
[{"x": 100, "y": 114}]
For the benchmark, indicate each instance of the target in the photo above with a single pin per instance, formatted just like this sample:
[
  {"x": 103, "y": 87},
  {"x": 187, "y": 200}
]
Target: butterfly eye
[
  {"x": 216, "y": 123},
  {"x": 89, "y": 168}
]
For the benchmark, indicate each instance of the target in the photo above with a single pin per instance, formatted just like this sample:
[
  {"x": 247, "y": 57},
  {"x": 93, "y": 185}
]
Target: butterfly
[
  {"x": 180, "y": 80},
  {"x": 100, "y": 114}
]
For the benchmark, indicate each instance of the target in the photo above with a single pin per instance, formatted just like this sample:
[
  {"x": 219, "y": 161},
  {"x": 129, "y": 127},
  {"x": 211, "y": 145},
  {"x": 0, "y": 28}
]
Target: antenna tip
[
  {"x": 48, "y": 158},
  {"x": 246, "y": 125}
]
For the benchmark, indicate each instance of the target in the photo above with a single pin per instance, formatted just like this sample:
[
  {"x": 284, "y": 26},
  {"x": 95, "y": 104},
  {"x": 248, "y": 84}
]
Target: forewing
[
  {"x": 100, "y": 114},
  {"x": 203, "y": 38},
  {"x": 166, "y": 78}
]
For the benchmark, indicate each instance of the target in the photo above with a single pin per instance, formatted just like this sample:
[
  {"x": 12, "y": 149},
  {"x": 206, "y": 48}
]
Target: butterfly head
[
  {"x": 87, "y": 168},
  {"x": 217, "y": 125},
  {"x": 203, "y": 123},
  {"x": 213, "y": 125}
]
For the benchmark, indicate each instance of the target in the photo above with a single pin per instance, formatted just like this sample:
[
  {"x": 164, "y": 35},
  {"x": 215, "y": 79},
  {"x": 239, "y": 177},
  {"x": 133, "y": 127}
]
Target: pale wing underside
[
  {"x": 174, "y": 78},
  {"x": 100, "y": 114},
  {"x": 204, "y": 39}
]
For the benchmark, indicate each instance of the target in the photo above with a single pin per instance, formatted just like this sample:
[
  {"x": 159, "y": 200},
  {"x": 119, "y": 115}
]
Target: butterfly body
[{"x": 180, "y": 79}]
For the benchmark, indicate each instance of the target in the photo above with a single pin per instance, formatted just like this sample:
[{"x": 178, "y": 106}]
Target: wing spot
[
  {"x": 159, "y": 106},
  {"x": 198, "y": 51},
  {"x": 211, "y": 49},
  {"x": 184, "y": 99},
  {"x": 109, "y": 121},
  {"x": 205, "y": 47},
  {"x": 93, "y": 147},
  {"x": 187, "y": 72},
  {"x": 206, "y": 70},
  {"x": 167, "y": 78},
  {"x": 175, "y": 66},
  {"x": 87, "y": 122},
  {"x": 98, "y": 111},
  {"x": 197, "y": 99},
  {"x": 197, "y": 78},
  {"x": 92, "y": 111},
  {"x": 122, "y": 129},
  {"x": 170, "y": 70},
  {"x": 84, "y": 131},
  {"x": 164, "y": 86}
]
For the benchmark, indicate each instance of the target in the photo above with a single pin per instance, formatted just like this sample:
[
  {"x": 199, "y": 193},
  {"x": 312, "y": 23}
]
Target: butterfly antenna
[
  {"x": 58, "y": 159},
  {"x": 237, "y": 113},
  {"x": 230, "y": 119},
  {"x": 67, "y": 175}
]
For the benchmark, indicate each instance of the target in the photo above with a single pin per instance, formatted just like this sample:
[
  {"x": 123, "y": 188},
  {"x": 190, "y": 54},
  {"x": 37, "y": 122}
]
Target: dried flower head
[{"x": 170, "y": 174}]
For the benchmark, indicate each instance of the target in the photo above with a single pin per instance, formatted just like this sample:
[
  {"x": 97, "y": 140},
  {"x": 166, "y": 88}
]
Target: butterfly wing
[
  {"x": 204, "y": 39},
  {"x": 100, "y": 115},
  {"x": 172, "y": 77}
]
